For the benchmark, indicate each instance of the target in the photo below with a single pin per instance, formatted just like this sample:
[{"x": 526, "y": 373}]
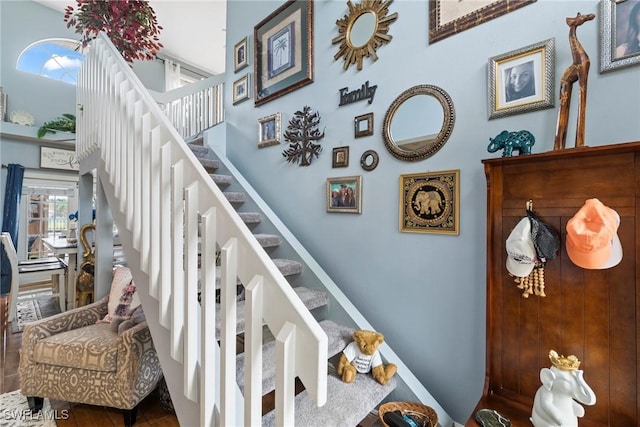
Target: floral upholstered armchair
[{"x": 77, "y": 356}]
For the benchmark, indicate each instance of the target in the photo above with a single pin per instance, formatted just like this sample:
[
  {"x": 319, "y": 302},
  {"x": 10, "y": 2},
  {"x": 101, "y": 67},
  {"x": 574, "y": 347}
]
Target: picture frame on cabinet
[
  {"x": 283, "y": 51},
  {"x": 447, "y": 18},
  {"x": 363, "y": 125},
  {"x": 240, "y": 55},
  {"x": 269, "y": 129},
  {"x": 340, "y": 157},
  {"x": 344, "y": 194},
  {"x": 522, "y": 80},
  {"x": 619, "y": 32},
  {"x": 241, "y": 89},
  {"x": 430, "y": 202}
]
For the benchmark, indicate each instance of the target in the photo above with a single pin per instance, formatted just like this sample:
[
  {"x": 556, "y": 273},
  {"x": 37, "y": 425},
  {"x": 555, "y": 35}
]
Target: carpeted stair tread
[
  {"x": 209, "y": 164},
  {"x": 220, "y": 179},
  {"x": 235, "y": 196},
  {"x": 311, "y": 298},
  {"x": 287, "y": 267},
  {"x": 268, "y": 240},
  {"x": 196, "y": 140},
  {"x": 338, "y": 338},
  {"x": 347, "y": 404},
  {"x": 199, "y": 150},
  {"x": 250, "y": 217}
]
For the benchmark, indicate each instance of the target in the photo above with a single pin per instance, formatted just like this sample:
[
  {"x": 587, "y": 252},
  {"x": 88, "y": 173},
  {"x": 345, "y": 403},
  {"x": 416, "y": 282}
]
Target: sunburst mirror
[{"x": 364, "y": 29}]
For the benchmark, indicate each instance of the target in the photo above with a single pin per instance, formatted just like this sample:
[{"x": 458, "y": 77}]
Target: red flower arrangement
[{"x": 131, "y": 25}]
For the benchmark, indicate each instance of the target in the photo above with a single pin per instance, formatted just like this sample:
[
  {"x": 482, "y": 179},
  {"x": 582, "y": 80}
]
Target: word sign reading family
[{"x": 365, "y": 92}]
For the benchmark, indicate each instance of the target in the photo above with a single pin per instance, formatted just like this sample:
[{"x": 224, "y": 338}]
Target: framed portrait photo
[
  {"x": 447, "y": 17},
  {"x": 522, "y": 80},
  {"x": 619, "y": 34},
  {"x": 430, "y": 202},
  {"x": 241, "y": 88},
  {"x": 283, "y": 51},
  {"x": 269, "y": 130},
  {"x": 344, "y": 194},
  {"x": 240, "y": 55}
]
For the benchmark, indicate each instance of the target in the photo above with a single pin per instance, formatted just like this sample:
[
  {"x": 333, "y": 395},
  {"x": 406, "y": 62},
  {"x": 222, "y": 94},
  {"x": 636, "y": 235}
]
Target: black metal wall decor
[
  {"x": 302, "y": 133},
  {"x": 365, "y": 92}
]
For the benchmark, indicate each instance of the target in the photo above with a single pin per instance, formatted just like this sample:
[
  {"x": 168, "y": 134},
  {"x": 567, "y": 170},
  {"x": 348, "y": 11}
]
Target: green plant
[
  {"x": 131, "y": 25},
  {"x": 65, "y": 123}
]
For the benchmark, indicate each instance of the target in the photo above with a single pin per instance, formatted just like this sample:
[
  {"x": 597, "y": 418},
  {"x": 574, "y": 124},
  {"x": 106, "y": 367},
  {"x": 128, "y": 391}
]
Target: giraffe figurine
[{"x": 578, "y": 71}]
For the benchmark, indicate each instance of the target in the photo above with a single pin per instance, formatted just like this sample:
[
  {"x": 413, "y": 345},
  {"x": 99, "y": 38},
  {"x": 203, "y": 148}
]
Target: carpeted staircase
[{"x": 347, "y": 404}]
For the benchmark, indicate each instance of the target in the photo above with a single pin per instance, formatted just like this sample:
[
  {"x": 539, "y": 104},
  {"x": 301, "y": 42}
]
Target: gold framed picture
[{"x": 430, "y": 202}]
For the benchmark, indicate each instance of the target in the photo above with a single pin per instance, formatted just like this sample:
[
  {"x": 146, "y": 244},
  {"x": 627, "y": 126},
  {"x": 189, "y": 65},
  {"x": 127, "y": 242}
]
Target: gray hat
[{"x": 545, "y": 238}]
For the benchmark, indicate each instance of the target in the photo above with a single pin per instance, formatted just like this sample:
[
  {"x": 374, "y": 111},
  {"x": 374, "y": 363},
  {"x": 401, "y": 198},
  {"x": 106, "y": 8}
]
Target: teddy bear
[{"x": 362, "y": 355}]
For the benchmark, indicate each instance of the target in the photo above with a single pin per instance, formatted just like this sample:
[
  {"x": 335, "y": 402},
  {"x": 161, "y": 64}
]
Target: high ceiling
[{"x": 193, "y": 30}]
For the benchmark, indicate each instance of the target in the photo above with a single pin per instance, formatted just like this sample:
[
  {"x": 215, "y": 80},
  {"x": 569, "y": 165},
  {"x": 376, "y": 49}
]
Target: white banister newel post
[
  {"x": 209, "y": 343},
  {"x": 254, "y": 296},
  {"x": 228, "y": 315},
  {"x": 285, "y": 375}
]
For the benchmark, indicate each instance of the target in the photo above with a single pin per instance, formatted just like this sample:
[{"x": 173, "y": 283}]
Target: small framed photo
[
  {"x": 283, "y": 51},
  {"x": 522, "y": 80},
  {"x": 240, "y": 55},
  {"x": 340, "y": 157},
  {"x": 363, "y": 125},
  {"x": 344, "y": 194},
  {"x": 34, "y": 211},
  {"x": 241, "y": 89},
  {"x": 269, "y": 130},
  {"x": 430, "y": 202},
  {"x": 619, "y": 34}
]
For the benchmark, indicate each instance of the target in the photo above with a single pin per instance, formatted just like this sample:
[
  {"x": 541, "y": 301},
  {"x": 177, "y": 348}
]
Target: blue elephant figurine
[{"x": 508, "y": 141}]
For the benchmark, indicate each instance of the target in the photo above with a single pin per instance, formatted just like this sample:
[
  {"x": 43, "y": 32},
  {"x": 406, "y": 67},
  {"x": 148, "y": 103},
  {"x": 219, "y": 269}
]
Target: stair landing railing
[
  {"x": 195, "y": 107},
  {"x": 166, "y": 200}
]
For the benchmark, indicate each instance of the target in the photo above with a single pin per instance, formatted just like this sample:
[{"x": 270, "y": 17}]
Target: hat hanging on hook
[{"x": 592, "y": 236}]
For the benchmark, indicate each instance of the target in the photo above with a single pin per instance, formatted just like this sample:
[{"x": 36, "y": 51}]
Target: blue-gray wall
[
  {"x": 23, "y": 22},
  {"x": 425, "y": 292}
]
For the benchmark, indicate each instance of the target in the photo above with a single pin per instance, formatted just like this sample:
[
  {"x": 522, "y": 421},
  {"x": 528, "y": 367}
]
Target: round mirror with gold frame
[
  {"x": 363, "y": 30},
  {"x": 418, "y": 123}
]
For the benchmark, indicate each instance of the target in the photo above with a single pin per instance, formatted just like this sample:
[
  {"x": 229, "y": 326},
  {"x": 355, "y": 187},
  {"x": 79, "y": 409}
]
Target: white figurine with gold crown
[{"x": 562, "y": 385}]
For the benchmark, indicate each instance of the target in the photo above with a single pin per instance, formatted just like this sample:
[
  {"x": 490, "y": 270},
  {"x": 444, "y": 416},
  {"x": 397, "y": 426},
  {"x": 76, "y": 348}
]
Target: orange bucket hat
[{"x": 592, "y": 236}]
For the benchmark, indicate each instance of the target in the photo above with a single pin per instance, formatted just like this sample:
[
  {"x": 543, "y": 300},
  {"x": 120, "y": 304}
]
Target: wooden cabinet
[{"x": 590, "y": 313}]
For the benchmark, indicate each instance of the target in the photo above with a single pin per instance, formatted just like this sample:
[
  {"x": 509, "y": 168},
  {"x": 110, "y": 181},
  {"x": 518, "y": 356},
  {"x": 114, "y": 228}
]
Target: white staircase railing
[
  {"x": 165, "y": 199},
  {"x": 193, "y": 108}
]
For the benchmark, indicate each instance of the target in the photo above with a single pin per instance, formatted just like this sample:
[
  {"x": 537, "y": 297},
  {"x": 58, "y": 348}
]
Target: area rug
[
  {"x": 14, "y": 412},
  {"x": 32, "y": 310}
]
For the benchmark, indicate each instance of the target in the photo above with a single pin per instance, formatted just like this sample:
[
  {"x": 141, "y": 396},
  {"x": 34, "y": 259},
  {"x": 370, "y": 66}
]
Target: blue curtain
[{"x": 10, "y": 219}]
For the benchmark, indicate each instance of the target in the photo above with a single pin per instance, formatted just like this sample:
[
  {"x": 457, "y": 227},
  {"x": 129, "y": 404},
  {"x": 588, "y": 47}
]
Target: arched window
[{"x": 57, "y": 59}]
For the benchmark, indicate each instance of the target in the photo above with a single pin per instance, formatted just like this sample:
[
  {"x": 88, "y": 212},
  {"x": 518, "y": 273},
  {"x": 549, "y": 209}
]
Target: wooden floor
[{"x": 150, "y": 413}]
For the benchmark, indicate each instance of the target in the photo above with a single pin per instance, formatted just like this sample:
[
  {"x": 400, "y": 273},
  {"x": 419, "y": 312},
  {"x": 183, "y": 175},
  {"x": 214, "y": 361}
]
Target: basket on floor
[{"x": 419, "y": 412}]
